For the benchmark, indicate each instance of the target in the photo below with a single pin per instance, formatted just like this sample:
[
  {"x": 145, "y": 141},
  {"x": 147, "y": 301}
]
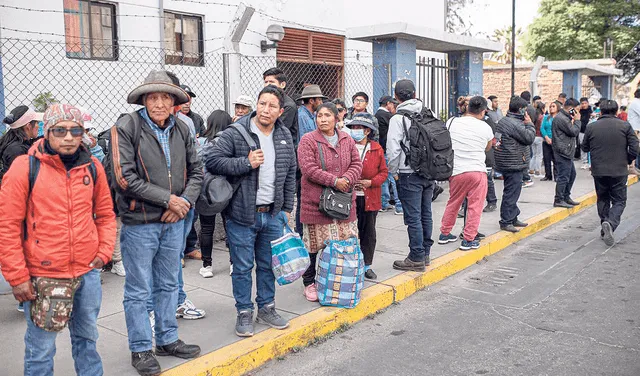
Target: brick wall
[{"x": 497, "y": 81}]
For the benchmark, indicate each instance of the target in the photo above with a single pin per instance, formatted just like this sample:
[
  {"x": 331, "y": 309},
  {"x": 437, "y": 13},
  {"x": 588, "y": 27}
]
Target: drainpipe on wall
[
  {"x": 533, "y": 80},
  {"x": 231, "y": 56}
]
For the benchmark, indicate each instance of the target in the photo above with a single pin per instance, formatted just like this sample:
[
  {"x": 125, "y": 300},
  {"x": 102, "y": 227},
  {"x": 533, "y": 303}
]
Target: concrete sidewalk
[{"x": 214, "y": 294}]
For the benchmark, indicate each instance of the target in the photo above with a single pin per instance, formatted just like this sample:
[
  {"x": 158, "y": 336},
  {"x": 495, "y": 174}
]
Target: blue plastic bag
[
  {"x": 340, "y": 277},
  {"x": 289, "y": 257}
]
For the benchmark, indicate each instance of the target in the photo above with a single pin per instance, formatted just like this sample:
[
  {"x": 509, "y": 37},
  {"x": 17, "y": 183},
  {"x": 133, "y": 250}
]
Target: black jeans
[
  {"x": 509, "y": 210},
  {"x": 192, "y": 238},
  {"x": 565, "y": 178},
  {"x": 548, "y": 158},
  {"x": 612, "y": 198},
  {"x": 366, "y": 230},
  {"x": 491, "y": 188},
  {"x": 207, "y": 228},
  {"x": 309, "y": 276}
]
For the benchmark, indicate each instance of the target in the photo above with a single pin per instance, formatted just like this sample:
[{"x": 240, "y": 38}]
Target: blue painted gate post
[
  {"x": 466, "y": 79},
  {"x": 572, "y": 83},
  {"x": 400, "y": 56}
]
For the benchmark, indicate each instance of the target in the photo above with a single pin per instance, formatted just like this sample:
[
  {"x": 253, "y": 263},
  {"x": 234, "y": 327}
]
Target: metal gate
[{"x": 437, "y": 85}]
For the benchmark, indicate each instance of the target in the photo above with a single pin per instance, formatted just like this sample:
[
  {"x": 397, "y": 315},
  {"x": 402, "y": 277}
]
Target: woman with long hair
[
  {"x": 535, "y": 166},
  {"x": 547, "y": 149},
  {"x": 23, "y": 131}
]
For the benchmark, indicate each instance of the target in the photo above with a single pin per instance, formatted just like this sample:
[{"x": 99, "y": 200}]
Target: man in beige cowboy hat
[
  {"x": 311, "y": 98},
  {"x": 158, "y": 175}
]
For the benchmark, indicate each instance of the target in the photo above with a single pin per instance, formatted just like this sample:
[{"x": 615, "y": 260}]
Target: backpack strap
[
  {"x": 247, "y": 137},
  {"x": 405, "y": 131},
  {"x": 34, "y": 169}
]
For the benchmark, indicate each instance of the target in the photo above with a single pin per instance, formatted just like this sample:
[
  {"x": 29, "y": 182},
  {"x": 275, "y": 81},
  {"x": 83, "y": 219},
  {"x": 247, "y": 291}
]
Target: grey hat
[
  {"x": 312, "y": 91},
  {"x": 365, "y": 119},
  {"x": 157, "y": 81}
]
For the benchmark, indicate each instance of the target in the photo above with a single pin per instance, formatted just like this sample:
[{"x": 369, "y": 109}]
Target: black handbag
[{"x": 334, "y": 203}]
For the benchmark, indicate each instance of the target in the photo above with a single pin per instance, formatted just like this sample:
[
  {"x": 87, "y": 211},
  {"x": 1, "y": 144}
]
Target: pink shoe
[{"x": 311, "y": 293}]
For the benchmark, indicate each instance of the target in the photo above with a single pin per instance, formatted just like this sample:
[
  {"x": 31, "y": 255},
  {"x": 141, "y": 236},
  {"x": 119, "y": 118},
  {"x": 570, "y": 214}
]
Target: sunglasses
[{"x": 62, "y": 132}]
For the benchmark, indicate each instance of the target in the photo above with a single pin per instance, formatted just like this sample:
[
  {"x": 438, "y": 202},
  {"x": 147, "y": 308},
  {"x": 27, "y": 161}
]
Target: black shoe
[
  {"x": 479, "y": 236},
  {"x": 509, "y": 228},
  {"x": 571, "y": 202},
  {"x": 517, "y": 223},
  {"x": 406, "y": 264},
  {"x": 145, "y": 363},
  {"x": 546, "y": 179},
  {"x": 490, "y": 208},
  {"x": 562, "y": 204},
  {"x": 436, "y": 192},
  {"x": 178, "y": 349},
  {"x": 370, "y": 274}
]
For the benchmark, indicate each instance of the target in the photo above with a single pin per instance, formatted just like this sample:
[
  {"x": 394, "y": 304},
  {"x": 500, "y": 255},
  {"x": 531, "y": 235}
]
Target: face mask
[{"x": 357, "y": 134}]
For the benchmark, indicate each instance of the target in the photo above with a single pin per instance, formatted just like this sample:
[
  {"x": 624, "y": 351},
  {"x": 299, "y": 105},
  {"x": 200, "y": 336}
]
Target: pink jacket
[{"x": 341, "y": 161}]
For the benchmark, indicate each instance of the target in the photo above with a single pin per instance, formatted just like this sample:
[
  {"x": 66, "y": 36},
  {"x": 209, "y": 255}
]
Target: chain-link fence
[{"x": 38, "y": 72}]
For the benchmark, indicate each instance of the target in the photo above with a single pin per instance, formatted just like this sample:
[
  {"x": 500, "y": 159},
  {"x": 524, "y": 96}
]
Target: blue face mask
[{"x": 358, "y": 134}]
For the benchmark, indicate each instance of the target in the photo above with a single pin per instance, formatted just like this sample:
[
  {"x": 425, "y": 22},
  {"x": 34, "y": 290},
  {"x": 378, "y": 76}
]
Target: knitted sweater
[{"x": 341, "y": 161}]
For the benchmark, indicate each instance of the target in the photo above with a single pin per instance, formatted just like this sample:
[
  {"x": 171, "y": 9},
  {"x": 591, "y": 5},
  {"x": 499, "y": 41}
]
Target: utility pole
[{"x": 513, "y": 48}]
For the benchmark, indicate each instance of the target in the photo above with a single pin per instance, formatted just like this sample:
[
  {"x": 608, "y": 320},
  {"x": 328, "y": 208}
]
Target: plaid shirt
[{"x": 161, "y": 134}]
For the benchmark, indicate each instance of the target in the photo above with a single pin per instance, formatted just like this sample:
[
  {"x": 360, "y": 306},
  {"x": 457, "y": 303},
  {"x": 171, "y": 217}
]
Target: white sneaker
[
  {"x": 231, "y": 269},
  {"x": 152, "y": 320},
  {"x": 206, "y": 272},
  {"x": 585, "y": 167},
  {"x": 188, "y": 311},
  {"x": 117, "y": 268}
]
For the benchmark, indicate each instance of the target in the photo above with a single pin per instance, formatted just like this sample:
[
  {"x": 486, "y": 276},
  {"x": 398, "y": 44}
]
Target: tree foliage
[
  {"x": 578, "y": 29},
  {"x": 504, "y": 37}
]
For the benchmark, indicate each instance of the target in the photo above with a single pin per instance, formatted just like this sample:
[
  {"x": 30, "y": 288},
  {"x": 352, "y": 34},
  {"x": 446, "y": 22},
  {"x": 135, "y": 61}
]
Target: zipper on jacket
[{"x": 70, "y": 224}]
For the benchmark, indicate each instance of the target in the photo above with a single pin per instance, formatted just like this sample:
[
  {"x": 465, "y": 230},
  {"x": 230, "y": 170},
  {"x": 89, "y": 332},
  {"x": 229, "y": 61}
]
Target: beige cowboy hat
[
  {"x": 158, "y": 81},
  {"x": 312, "y": 91}
]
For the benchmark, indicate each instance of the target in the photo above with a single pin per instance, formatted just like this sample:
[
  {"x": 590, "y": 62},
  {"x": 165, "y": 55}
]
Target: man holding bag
[
  {"x": 50, "y": 252},
  {"x": 260, "y": 207}
]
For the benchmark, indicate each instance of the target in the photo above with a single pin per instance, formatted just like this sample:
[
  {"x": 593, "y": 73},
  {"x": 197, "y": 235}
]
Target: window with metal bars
[
  {"x": 183, "y": 39},
  {"x": 90, "y": 30}
]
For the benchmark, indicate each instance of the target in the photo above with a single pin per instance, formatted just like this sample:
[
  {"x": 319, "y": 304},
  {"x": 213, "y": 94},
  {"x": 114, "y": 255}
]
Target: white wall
[{"x": 44, "y": 66}]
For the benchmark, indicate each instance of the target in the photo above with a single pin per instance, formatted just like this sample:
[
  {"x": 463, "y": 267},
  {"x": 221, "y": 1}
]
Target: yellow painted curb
[{"x": 248, "y": 354}]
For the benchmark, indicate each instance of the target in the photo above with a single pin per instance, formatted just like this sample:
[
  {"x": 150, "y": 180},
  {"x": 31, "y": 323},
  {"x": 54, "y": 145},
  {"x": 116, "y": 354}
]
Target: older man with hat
[
  {"x": 242, "y": 106},
  {"x": 185, "y": 108},
  {"x": 368, "y": 187},
  {"x": 311, "y": 98},
  {"x": 158, "y": 175}
]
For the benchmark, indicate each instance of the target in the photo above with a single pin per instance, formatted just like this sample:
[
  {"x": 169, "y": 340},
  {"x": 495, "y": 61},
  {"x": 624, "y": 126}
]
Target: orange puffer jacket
[{"x": 69, "y": 218}]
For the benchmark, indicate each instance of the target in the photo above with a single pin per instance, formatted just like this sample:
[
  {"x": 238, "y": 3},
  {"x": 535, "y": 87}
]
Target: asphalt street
[{"x": 557, "y": 303}]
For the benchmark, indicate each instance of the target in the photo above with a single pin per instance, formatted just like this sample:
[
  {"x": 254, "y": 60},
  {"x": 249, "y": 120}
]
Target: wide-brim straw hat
[
  {"x": 312, "y": 91},
  {"x": 157, "y": 82}
]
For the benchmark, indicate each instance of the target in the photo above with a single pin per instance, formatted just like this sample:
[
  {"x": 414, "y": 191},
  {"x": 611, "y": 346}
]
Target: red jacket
[
  {"x": 341, "y": 161},
  {"x": 69, "y": 218},
  {"x": 374, "y": 168}
]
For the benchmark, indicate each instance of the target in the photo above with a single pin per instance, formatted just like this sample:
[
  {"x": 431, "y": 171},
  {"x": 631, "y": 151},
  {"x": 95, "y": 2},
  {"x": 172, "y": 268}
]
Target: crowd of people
[{"x": 74, "y": 202}]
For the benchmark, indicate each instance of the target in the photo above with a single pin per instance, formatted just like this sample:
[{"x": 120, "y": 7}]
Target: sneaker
[
  {"x": 386, "y": 208},
  {"x": 570, "y": 201},
  {"x": 461, "y": 213},
  {"x": 518, "y": 223},
  {"x": 179, "y": 349},
  {"x": 407, "y": 264},
  {"x": 152, "y": 321},
  {"x": 206, "y": 271},
  {"x": 562, "y": 204},
  {"x": 607, "y": 232},
  {"x": 437, "y": 190},
  {"x": 509, "y": 228},
  {"x": 145, "y": 363},
  {"x": 444, "y": 239},
  {"x": 21, "y": 307},
  {"x": 370, "y": 274},
  {"x": 466, "y": 245},
  {"x": 399, "y": 211},
  {"x": 490, "y": 208},
  {"x": 311, "y": 293},
  {"x": 244, "y": 324},
  {"x": 182, "y": 263},
  {"x": 479, "y": 236},
  {"x": 118, "y": 269},
  {"x": 231, "y": 269},
  {"x": 585, "y": 167},
  {"x": 194, "y": 255},
  {"x": 188, "y": 311},
  {"x": 527, "y": 184},
  {"x": 268, "y": 315}
]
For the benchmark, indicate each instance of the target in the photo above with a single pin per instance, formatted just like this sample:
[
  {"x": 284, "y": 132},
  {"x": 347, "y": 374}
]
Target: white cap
[{"x": 244, "y": 100}]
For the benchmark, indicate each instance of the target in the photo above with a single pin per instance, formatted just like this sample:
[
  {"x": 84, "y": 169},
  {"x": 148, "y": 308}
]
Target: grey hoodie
[{"x": 396, "y": 135}]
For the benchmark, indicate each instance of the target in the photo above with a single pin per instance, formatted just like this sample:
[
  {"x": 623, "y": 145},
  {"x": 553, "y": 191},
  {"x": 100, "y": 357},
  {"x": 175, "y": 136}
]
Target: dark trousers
[
  {"x": 192, "y": 238},
  {"x": 578, "y": 150},
  {"x": 298, "y": 199},
  {"x": 565, "y": 178},
  {"x": 366, "y": 230},
  {"x": 416, "y": 194},
  {"x": 612, "y": 198},
  {"x": 309, "y": 276},
  {"x": 491, "y": 188},
  {"x": 548, "y": 158},
  {"x": 509, "y": 210},
  {"x": 207, "y": 228}
]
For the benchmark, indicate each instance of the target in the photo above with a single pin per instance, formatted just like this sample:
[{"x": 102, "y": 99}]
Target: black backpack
[{"x": 430, "y": 152}]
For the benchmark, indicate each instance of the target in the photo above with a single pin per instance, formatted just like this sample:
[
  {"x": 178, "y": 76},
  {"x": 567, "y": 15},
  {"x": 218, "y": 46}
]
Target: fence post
[{"x": 231, "y": 58}]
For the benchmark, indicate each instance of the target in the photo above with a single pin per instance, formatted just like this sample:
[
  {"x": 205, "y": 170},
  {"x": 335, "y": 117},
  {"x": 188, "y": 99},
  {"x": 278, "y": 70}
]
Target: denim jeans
[
  {"x": 191, "y": 243},
  {"x": 189, "y": 219},
  {"x": 389, "y": 187},
  {"x": 565, "y": 178},
  {"x": 151, "y": 257},
  {"x": 416, "y": 194},
  {"x": 509, "y": 210},
  {"x": 40, "y": 345},
  {"x": 252, "y": 245}
]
